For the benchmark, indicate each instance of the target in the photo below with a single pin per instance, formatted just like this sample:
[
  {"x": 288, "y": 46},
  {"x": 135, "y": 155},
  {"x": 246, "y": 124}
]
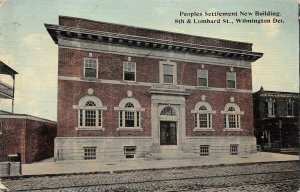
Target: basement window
[
  {"x": 89, "y": 153},
  {"x": 129, "y": 151},
  {"x": 234, "y": 149},
  {"x": 204, "y": 150}
]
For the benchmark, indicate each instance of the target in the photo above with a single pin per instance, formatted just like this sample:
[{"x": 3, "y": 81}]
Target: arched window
[
  {"x": 90, "y": 113},
  {"x": 203, "y": 116},
  {"x": 129, "y": 114},
  {"x": 168, "y": 111},
  {"x": 232, "y": 116}
]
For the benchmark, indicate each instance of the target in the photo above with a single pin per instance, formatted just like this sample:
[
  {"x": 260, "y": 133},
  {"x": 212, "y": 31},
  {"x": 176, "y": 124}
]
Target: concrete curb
[{"x": 136, "y": 170}]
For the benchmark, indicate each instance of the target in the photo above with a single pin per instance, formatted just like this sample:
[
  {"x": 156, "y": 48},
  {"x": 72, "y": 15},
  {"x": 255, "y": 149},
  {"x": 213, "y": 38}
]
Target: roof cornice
[{"x": 57, "y": 31}]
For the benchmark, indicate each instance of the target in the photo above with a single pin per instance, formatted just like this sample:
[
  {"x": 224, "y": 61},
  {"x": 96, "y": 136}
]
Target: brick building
[
  {"x": 24, "y": 137},
  {"x": 29, "y": 137},
  {"x": 276, "y": 119},
  {"x": 125, "y": 92}
]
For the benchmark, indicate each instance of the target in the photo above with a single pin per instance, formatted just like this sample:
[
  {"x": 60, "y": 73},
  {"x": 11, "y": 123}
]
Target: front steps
[{"x": 171, "y": 152}]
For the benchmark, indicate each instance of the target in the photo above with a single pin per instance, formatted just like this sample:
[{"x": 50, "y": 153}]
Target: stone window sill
[
  {"x": 233, "y": 129},
  {"x": 203, "y": 129},
  {"x": 89, "y": 128},
  {"x": 129, "y": 129}
]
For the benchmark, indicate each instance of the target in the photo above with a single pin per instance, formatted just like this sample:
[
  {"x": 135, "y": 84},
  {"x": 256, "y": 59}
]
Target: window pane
[
  {"x": 230, "y": 84},
  {"x": 100, "y": 118},
  {"x": 90, "y": 117},
  {"x": 138, "y": 119},
  {"x": 202, "y": 73},
  {"x": 89, "y": 72},
  {"x": 129, "y": 119},
  {"x": 168, "y": 111},
  {"x": 129, "y": 76},
  {"x": 203, "y": 120},
  {"x": 168, "y": 78},
  {"x": 168, "y": 69},
  {"x": 232, "y": 121},
  {"x": 202, "y": 82}
]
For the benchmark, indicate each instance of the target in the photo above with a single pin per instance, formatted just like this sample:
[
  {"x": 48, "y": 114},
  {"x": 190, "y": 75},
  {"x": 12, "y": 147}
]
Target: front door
[{"x": 168, "y": 133}]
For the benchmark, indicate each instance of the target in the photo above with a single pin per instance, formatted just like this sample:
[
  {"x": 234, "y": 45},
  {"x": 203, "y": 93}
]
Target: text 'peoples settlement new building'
[{"x": 129, "y": 92}]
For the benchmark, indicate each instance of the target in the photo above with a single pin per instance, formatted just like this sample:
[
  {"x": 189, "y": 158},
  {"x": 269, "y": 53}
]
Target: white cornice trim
[
  {"x": 116, "y": 82},
  {"x": 156, "y": 54}
]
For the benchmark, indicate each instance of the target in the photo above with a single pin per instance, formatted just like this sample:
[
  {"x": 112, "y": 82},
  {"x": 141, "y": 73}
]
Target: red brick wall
[
  {"x": 111, "y": 68},
  {"x": 156, "y": 34},
  {"x": 34, "y": 140},
  {"x": 11, "y": 138},
  {"x": 70, "y": 92},
  {"x": 218, "y": 100},
  {"x": 39, "y": 140}
]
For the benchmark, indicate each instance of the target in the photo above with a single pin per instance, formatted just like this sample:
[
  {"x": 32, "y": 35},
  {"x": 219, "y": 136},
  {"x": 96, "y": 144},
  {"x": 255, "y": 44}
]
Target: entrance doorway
[{"x": 168, "y": 133}]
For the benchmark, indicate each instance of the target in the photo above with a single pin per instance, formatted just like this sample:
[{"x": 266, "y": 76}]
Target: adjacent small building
[
  {"x": 127, "y": 92},
  {"x": 276, "y": 119},
  {"x": 23, "y": 138},
  {"x": 26, "y": 138}
]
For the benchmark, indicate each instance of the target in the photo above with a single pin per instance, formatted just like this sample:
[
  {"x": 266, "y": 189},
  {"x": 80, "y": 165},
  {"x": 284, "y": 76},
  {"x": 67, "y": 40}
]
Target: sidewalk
[{"x": 84, "y": 166}]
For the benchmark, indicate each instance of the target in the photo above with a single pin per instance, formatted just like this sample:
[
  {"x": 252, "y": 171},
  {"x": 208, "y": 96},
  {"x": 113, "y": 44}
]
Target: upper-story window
[
  {"x": 270, "y": 108},
  {"x": 203, "y": 116},
  {"x": 289, "y": 108},
  {"x": 168, "y": 72},
  {"x": 129, "y": 71},
  {"x": 231, "y": 79},
  {"x": 90, "y": 67},
  {"x": 232, "y": 116},
  {"x": 202, "y": 76},
  {"x": 90, "y": 113},
  {"x": 129, "y": 114}
]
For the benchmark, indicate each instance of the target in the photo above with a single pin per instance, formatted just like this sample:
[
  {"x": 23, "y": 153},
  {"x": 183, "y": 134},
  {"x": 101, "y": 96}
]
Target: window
[
  {"x": 129, "y": 151},
  {"x": 204, "y": 150},
  {"x": 289, "y": 108},
  {"x": 90, "y": 113},
  {"x": 202, "y": 75},
  {"x": 232, "y": 116},
  {"x": 89, "y": 153},
  {"x": 129, "y": 114},
  {"x": 203, "y": 116},
  {"x": 129, "y": 71},
  {"x": 231, "y": 79},
  {"x": 234, "y": 149},
  {"x": 167, "y": 72},
  {"x": 168, "y": 111},
  {"x": 270, "y": 108},
  {"x": 90, "y": 67}
]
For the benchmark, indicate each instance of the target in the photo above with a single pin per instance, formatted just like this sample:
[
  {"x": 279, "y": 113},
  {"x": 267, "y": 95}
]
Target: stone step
[{"x": 176, "y": 154}]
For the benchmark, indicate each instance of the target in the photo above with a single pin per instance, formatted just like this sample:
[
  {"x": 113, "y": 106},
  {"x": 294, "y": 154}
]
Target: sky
[{"x": 26, "y": 46}]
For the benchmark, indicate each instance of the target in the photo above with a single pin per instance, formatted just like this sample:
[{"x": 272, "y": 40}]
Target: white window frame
[
  {"x": 124, "y": 71},
  {"x": 84, "y": 66},
  {"x": 228, "y": 79},
  {"x": 237, "y": 117},
  {"x": 82, "y": 108},
  {"x": 287, "y": 108},
  {"x": 136, "y": 110},
  {"x": 199, "y": 76},
  {"x": 209, "y": 115},
  {"x": 161, "y": 72}
]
